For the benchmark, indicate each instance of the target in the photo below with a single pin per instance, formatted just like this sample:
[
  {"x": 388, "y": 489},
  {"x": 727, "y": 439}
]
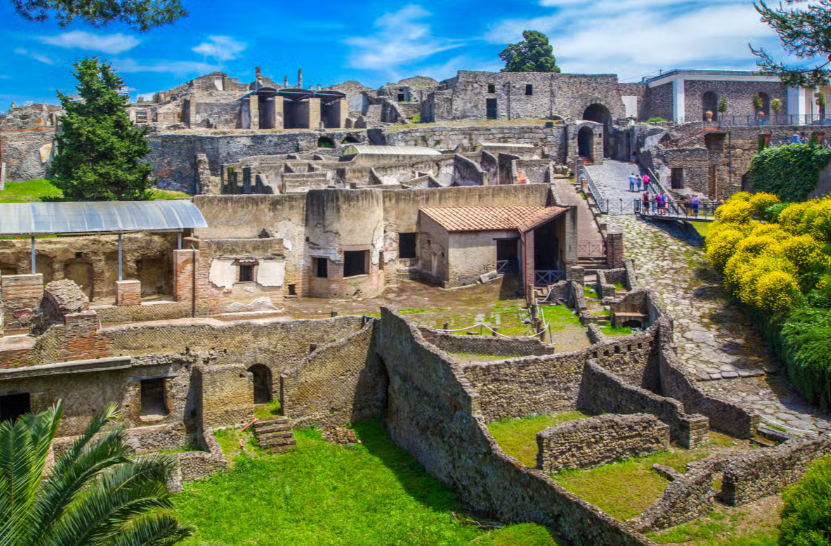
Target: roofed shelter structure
[
  {"x": 271, "y": 108},
  {"x": 96, "y": 218},
  {"x": 460, "y": 244}
]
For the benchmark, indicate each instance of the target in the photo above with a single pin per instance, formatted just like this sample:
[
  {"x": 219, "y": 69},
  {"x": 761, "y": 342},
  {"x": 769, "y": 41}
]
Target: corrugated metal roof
[
  {"x": 505, "y": 145},
  {"x": 389, "y": 150},
  {"x": 492, "y": 218},
  {"x": 98, "y": 217}
]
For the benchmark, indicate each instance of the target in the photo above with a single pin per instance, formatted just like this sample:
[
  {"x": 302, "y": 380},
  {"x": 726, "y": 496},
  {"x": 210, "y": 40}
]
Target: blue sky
[{"x": 376, "y": 42}]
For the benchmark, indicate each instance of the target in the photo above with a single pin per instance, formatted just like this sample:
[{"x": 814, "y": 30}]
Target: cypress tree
[{"x": 99, "y": 150}]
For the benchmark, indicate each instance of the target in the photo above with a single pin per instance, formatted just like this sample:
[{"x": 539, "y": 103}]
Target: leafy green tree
[
  {"x": 805, "y": 33},
  {"x": 533, "y": 54},
  {"x": 142, "y": 15},
  {"x": 99, "y": 150},
  {"x": 97, "y": 492},
  {"x": 722, "y": 105},
  {"x": 806, "y": 515}
]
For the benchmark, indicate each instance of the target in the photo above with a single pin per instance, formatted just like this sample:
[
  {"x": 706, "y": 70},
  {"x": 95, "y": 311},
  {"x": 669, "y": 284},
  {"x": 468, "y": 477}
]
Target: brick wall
[
  {"x": 21, "y": 295},
  {"x": 586, "y": 443},
  {"x": 127, "y": 293}
]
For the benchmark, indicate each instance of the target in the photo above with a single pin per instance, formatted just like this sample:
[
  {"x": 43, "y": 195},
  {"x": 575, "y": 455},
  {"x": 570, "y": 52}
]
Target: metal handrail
[{"x": 772, "y": 120}]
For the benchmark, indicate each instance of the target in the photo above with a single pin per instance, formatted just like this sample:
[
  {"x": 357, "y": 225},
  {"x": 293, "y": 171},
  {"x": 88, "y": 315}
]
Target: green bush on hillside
[{"x": 791, "y": 172}]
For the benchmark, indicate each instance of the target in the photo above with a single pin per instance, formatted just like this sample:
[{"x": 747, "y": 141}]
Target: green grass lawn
[
  {"x": 702, "y": 227},
  {"x": 518, "y": 437},
  {"x": 36, "y": 190},
  {"x": 626, "y": 488},
  {"x": 614, "y": 331},
  {"x": 723, "y": 527},
  {"x": 373, "y": 493},
  {"x": 559, "y": 317}
]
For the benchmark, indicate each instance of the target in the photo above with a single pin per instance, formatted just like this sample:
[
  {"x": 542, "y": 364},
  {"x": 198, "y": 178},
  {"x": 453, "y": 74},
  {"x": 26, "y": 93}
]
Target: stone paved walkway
[
  {"x": 612, "y": 181},
  {"x": 715, "y": 339}
]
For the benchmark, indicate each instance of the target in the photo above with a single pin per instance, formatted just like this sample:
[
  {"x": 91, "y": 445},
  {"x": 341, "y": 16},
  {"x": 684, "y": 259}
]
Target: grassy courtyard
[
  {"x": 373, "y": 493},
  {"x": 518, "y": 437},
  {"x": 37, "y": 190}
]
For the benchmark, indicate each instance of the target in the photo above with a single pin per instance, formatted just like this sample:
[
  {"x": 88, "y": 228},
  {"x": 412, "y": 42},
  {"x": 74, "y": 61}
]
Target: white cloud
[
  {"x": 178, "y": 68},
  {"x": 221, "y": 48},
  {"x": 401, "y": 38},
  {"x": 78, "y": 39},
  {"x": 639, "y": 37},
  {"x": 35, "y": 55}
]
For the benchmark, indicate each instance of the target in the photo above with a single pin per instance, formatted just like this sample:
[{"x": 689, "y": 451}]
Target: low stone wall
[
  {"x": 685, "y": 499},
  {"x": 195, "y": 465},
  {"x": 487, "y": 345},
  {"x": 337, "y": 384},
  {"x": 767, "y": 471},
  {"x": 606, "y": 280},
  {"x": 586, "y": 443},
  {"x": 145, "y": 312}
]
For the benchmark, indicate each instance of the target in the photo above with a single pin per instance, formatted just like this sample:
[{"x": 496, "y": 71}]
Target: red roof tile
[{"x": 492, "y": 218}]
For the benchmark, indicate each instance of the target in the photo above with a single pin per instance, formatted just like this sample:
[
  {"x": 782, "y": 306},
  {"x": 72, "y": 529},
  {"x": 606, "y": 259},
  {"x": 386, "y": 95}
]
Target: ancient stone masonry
[
  {"x": 489, "y": 345},
  {"x": 26, "y": 136},
  {"x": 60, "y": 298},
  {"x": 596, "y": 441}
]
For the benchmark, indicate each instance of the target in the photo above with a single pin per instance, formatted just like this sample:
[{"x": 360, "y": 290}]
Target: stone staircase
[{"x": 275, "y": 435}]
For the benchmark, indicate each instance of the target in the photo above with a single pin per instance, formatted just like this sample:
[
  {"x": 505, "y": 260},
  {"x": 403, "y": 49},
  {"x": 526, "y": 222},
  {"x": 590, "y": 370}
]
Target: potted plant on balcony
[
  {"x": 722, "y": 107},
  {"x": 776, "y": 106},
  {"x": 820, "y": 99}
]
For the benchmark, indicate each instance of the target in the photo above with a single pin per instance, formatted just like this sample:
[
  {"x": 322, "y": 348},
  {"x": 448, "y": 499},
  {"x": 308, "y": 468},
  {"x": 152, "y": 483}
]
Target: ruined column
[{"x": 300, "y": 79}]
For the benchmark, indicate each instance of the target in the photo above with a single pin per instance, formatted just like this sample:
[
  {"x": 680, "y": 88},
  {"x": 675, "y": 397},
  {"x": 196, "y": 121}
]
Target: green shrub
[
  {"x": 806, "y": 515},
  {"x": 416, "y": 118},
  {"x": 805, "y": 345},
  {"x": 656, "y": 120},
  {"x": 772, "y": 213},
  {"x": 791, "y": 171}
]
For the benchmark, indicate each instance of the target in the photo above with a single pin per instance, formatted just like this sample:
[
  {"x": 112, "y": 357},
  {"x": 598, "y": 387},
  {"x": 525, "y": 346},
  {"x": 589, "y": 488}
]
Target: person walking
[
  {"x": 645, "y": 203},
  {"x": 646, "y": 182},
  {"x": 632, "y": 182},
  {"x": 638, "y": 182},
  {"x": 695, "y": 203}
]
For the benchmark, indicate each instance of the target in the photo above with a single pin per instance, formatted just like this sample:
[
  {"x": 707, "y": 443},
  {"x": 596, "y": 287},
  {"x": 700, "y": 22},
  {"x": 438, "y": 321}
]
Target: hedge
[{"x": 790, "y": 172}]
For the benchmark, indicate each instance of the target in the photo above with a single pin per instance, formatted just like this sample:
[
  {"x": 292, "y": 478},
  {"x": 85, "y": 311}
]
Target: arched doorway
[
  {"x": 709, "y": 103},
  {"x": 585, "y": 143},
  {"x": 325, "y": 142},
  {"x": 764, "y": 111},
  {"x": 262, "y": 383},
  {"x": 600, "y": 114}
]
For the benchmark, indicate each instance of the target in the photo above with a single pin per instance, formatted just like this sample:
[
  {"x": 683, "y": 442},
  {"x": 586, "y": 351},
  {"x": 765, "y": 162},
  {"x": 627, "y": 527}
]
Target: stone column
[
  {"x": 127, "y": 293},
  {"x": 614, "y": 250}
]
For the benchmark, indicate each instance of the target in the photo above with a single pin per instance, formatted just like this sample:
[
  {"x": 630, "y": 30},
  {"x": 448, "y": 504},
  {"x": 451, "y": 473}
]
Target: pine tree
[
  {"x": 142, "y": 15},
  {"x": 805, "y": 34},
  {"x": 99, "y": 150},
  {"x": 533, "y": 54}
]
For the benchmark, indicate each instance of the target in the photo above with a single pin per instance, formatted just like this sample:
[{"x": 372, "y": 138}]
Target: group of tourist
[
  {"x": 657, "y": 204},
  {"x": 636, "y": 180}
]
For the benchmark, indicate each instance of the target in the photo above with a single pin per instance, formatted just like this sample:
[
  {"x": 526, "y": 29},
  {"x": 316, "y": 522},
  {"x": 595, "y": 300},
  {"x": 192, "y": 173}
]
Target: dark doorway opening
[
  {"x": 407, "y": 245},
  {"x": 600, "y": 114},
  {"x": 355, "y": 262},
  {"x": 507, "y": 256},
  {"x": 153, "y": 398},
  {"x": 325, "y": 142},
  {"x": 13, "y": 406},
  {"x": 402, "y": 97},
  {"x": 262, "y": 383},
  {"x": 585, "y": 143},
  {"x": 529, "y": 89},
  {"x": 492, "y": 111},
  {"x": 547, "y": 248},
  {"x": 677, "y": 178},
  {"x": 267, "y": 112},
  {"x": 321, "y": 268},
  {"x": 764, "y": 112}
]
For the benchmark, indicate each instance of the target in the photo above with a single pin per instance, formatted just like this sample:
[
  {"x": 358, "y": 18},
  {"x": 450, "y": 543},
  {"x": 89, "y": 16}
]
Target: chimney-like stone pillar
[{"x": 300, "y": 79}]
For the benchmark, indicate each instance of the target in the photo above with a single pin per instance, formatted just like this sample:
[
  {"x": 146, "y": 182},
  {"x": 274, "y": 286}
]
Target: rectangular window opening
[
  {"x": 491, "y": 88},
  {"x": 407, "y": 245},
  {"x": 529, "y": 89},
  {"x": 292, "y": 289},
  {"x": 321, "y": 266},
  {"x": 153, "y": 398},
  {"x": 246, "y": 273},
  {"x": 355, "y": 262},
  {"x": 13, "y": 406}
]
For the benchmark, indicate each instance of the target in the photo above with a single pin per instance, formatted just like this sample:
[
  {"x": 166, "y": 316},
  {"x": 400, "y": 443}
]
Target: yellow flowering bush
[
  {"x": 769, "y": 230},
  {"x": 734, "y": 212},
  {"x": 805, "y": 253},
  {"x": 721, "y": 244},
  {"x": 775, "y": 291},
  {"x": 755, "y": 245},
  {"x": 739, "y": 196},
  {"x": 761, "y": 201}
]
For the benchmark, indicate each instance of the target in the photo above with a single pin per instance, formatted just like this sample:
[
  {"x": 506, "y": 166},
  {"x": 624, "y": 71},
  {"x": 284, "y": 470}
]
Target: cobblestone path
[
  {"x": 612, "y": 181},
  {"x": 715, "y": 338}
]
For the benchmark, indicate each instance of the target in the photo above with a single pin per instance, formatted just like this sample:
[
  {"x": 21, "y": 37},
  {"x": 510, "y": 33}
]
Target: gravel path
[{"x": 715, "y": 338}]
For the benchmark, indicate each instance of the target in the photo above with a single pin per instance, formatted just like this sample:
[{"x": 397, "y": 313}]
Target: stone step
[
  {"x": 272, "y": 435},
  {"x": 276, "y": 442},
  {"x": 273, "y": 428},
  {"x": 269, "y": 422}
]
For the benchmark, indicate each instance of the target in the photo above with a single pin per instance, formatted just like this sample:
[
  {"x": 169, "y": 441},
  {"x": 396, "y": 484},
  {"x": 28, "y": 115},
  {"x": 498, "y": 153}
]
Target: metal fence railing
[
  {"x": 772, "y": 120},
  {"x": 507, "y": 267},
  {"x": 677, "y": 209},
  {"x": 591, "y": 248},
  {"x": 548, "y": 277}
]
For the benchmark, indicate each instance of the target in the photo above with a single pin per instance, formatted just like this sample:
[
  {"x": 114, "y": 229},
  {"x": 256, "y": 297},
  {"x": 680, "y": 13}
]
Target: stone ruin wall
[{"x": 587, "y": 443}]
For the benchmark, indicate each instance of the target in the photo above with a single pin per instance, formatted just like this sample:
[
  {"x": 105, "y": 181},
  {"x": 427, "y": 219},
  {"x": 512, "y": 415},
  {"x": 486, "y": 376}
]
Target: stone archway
[
  {"x": 262, "y": 383},
  {"x": 599, "y": 113}
]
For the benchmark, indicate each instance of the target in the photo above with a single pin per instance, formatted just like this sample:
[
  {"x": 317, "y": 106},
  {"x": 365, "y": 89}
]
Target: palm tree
[{"x": 97, "y": 492}]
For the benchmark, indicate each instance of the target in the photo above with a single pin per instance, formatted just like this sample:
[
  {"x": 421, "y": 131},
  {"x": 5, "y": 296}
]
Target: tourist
[
  {"x": 795, "y": 138},
  {"x": 646, "y": 182},
  {"x": 638, "y": 182},
  {"x": 695, "y": 202},
  {"x": 645, "y": 203},
  {"x": 632, "y": 182}
]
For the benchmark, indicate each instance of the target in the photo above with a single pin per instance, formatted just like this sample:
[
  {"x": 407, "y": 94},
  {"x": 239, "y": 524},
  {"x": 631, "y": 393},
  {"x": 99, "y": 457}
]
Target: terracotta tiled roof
[{"x": 492, "y": 218}]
